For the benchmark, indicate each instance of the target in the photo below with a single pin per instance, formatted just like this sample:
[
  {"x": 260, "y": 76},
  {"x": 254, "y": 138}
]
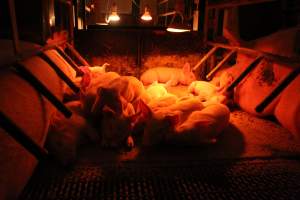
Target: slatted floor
[{"x": 227, "y": 179}]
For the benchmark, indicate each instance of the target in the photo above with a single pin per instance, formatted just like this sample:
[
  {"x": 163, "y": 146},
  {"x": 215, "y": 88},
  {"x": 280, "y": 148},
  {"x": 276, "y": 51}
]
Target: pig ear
[
  {"x": 186, "y": 68},
  {"x": 104, "y": 66}
]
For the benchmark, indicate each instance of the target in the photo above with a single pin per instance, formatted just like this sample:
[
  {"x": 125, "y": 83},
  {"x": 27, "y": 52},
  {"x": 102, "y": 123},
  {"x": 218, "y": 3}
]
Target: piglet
[
  {"x": 114, "y": 117},
  {"x": 65, "y": 135},
  {"x": 202, "y": 126},
  {"x": 89, "y": 74},
  {"x": 88, "y": 96},
  {"x": 115, "y": 128},
  {"x": 156, "y": 90},
  {"x": 157, "y": 124},
  {"x": 98, "y": 70},
  {"x": 163, "y": 101},
  {"x": 214, "y": 91},
  {"x": 170, "y": 76},
  {"x": 127, "y": 86},
  {"x": 203, "y": 89},
  {"x": 163, "y": 119}
]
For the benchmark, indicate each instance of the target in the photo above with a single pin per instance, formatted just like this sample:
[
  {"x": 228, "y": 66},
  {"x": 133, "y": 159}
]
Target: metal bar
[
  {"x": 59, "y": 72},
  {"x": 275, "y": 92},
  {"x": 70, "y": 61},
  {"x": 221, "y": 63},
  {"x": 22, "y": 138},
  {"x": 40, "y": 87},
  {"x": 245, "y": 73},
  {"x": 204, "y": 58},
  {"x": 77, "y": 55},
  {"x": 14, "y": 27}
]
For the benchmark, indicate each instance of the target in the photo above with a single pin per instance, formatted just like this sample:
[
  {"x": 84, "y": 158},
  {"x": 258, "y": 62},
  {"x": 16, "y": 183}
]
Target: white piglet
[
  {"x": 202, "y": 126},
  {"x": 170, "y": 76},
  {"x": 65, "y": 135}
]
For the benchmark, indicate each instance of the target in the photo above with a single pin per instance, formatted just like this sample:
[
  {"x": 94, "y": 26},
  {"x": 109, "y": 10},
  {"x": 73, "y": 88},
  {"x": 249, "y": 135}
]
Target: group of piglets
[{"x": 114, "y": 110}]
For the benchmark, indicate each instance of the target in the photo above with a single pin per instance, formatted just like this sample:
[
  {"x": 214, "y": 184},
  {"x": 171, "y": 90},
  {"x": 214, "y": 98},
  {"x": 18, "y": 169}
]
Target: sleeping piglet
[
  {"x": 170, "y": 76},
  {"x": 89, "y": 95},
  {"x": 67, "y": 134},
  {"x": 202, "y": 126}
]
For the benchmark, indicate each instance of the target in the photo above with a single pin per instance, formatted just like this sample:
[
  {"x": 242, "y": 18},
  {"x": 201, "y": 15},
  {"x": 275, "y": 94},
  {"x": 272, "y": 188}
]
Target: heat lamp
[
  {"x": 113, "y": 17},
  {"x": 146, "y": 16},
  {"x": 178, "y": 27}
]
